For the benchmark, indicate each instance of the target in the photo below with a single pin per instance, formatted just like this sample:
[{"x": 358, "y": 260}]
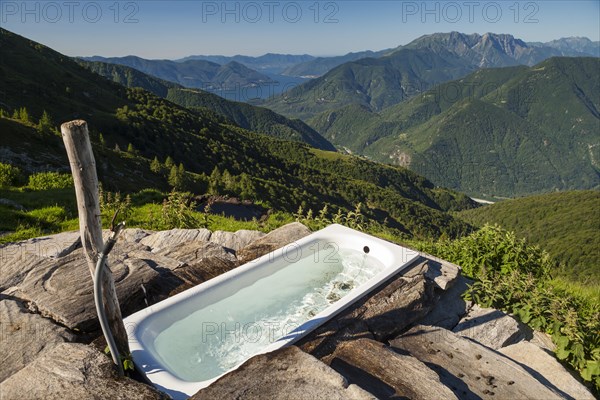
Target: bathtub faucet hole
[{"x": 366, "y": 249}]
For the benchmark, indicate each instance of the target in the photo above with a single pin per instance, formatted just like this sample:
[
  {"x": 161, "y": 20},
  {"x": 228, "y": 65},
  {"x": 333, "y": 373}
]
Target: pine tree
[
  {"x": 102, "y": 141},
  {"x": 24, "y": 115},
  {"x": 215, "y": 185},
  {"x": 45, "y": 124},
  {"x": 169, "y": 163},
  {"x": 130, "y": 149},
  {"x": 155, "y": 166}
]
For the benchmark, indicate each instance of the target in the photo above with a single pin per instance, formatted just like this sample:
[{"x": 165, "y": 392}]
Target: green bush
[
  {"x": 8, "y": 175},
  {"x": 50, "y": 180}
]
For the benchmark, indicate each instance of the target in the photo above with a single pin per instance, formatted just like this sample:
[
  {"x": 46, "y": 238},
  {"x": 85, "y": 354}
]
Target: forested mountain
[
  {"x": 321, "y": 65},
  {"x": 497, "y": 132},
  {"x": 565, "y": 224},
  {"x": 376, "y": 83},
  {"x": 398, "y": 74},
  {"x": 257, "y": 119},
  {"x": 268, "y": 63},
  {"x": 199, "y": 74},
  {"x": 282, "y": 174}
]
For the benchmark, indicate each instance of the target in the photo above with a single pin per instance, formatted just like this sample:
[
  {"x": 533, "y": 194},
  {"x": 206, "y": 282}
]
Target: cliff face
[{"x": 412, "y": 337}]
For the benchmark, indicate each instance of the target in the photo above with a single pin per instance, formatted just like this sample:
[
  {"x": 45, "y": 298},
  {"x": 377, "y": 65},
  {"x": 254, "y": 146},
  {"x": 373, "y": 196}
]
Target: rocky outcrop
[
  {"x": 491, "y": 327},
  {"x": 387, "y": 374},
  {"x": 472, "y": 370},
  {"x": 288, "y": 373},
  {"x": 546, "y": 368},
  {"x": 25, "y": 336},
  {"x": 73, "y": 371},
  {"x": 396, "y": 342},
  {"x": 277, "y": 239}
]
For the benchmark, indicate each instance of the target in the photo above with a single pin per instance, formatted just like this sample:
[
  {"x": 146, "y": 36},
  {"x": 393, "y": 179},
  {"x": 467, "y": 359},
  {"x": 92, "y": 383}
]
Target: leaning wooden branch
[{"x": 83, "y": 167}]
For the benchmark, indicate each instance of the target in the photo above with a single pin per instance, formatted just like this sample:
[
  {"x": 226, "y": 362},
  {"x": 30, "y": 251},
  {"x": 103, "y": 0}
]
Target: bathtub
[{"x": 188, "y": 341}]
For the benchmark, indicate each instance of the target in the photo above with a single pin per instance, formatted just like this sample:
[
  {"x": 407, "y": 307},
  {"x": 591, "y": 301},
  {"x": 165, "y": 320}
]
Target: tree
[
  {"x": 169, "y": 163},
  {"x": 8, "y": 175},
  {"x": 215, "y": 185},
  {"x": 130, "y": 149},
  {"x": 177, "y": 177},
  {"x": 45, "y": 124},
  {"x": 24, "y": 115},
  {"x": 102, "y": 141},
  {"x": 155, "y": 165}
]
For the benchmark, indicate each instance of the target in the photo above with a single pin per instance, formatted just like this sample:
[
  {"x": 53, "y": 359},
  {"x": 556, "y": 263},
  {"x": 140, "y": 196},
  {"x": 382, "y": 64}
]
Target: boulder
[
  {"x": 451, "y": 307},
  {"x": 287, "y": 373},
  {"x": 73, "y": 371},
  {"x": 25, "y": 336},
  {"x": 471, "y": 370},
  {"x": 173, "y": 237},
  {"x": 491, "y": 327},
  {"x": 235, "y": 241},
  {"x": 388, "y": 375},
  {"x": 546, "y": 368},
  {"x": 274, "y": 240},
  {"x": 391, "y": 308},
  {"x": 442, "y": 272}
]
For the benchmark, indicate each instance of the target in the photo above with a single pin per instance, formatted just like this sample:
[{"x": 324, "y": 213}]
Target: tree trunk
[{"x": 83, "y": 167}]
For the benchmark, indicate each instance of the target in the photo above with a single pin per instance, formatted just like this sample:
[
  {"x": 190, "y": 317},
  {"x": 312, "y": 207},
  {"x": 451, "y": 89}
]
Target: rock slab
[
  {"x": 471, "y": 370},
  {"x": 490, "y": 327},
  {"x": 24, "y": 336},
  {"x": 538, "y": 361},
  {"x": 73, "y": 371},
  {"x": 387, "y": 374},
  {"x": 277, "y": 239},
  {"x": 287, "y": 373}
]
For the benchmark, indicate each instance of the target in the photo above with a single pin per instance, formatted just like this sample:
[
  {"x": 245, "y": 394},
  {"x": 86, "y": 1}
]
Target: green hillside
[
  {"x": 564, "y": 224},
  {"x": 376, "y": 83},
  {"x": 253, "y": 118},
  {"x": 497, "y": 132},
  {"x": 217, "y": 156}
]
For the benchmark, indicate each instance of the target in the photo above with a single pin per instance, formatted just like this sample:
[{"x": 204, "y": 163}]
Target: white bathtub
[{"x": 183, "y": 343}]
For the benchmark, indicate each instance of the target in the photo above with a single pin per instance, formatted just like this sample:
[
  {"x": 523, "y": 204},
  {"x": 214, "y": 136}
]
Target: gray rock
[
  {"x": 52, "y": 246},
  {"x": 195, "y": 251},
  {"x": 235, "y": 240},
  {"x": 540, "y": 362},
  {"x": 24, "y": 336},
  {"x": 491, "y": 327},
  {"x": 442, "y": 272},
  {"x": 15, "y": 267},
  {"x": 391, "y": 308},
  {"x": 274, "y": 240},
  {"x": 73, "y": 371},
  {"x": 387, "y": 374},
  {"x": 62, "y": 289},
  {"x": 164, "y": 239},
  {"x": 134, "y": 234},
  {"x": 451, "y": 307},
  {"x": 471, "y": 370},
  {"x": 288, "y": 373}
]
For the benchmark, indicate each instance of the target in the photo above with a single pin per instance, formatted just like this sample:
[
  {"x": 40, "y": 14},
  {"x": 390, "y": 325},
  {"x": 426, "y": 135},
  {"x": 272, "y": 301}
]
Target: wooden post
[{"x": 83, "y": 167}]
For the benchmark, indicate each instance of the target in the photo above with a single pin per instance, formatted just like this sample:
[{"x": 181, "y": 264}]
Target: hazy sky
[{"x": 174, "y": 29}]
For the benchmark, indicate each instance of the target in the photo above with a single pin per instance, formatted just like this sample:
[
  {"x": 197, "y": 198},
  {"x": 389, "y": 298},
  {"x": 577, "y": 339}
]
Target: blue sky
[{"x": 174, "y": 29}]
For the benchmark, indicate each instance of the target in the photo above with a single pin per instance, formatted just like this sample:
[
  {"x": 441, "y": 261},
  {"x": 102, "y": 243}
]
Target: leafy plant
[
  {"x": 50, "y": 180},
  {"x": 8, "y": 175}
]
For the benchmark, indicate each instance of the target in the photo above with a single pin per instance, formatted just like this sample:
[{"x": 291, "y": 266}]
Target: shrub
[
  {"x": 8, "y": 175},
  {"x": 50, "y": 180}
]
